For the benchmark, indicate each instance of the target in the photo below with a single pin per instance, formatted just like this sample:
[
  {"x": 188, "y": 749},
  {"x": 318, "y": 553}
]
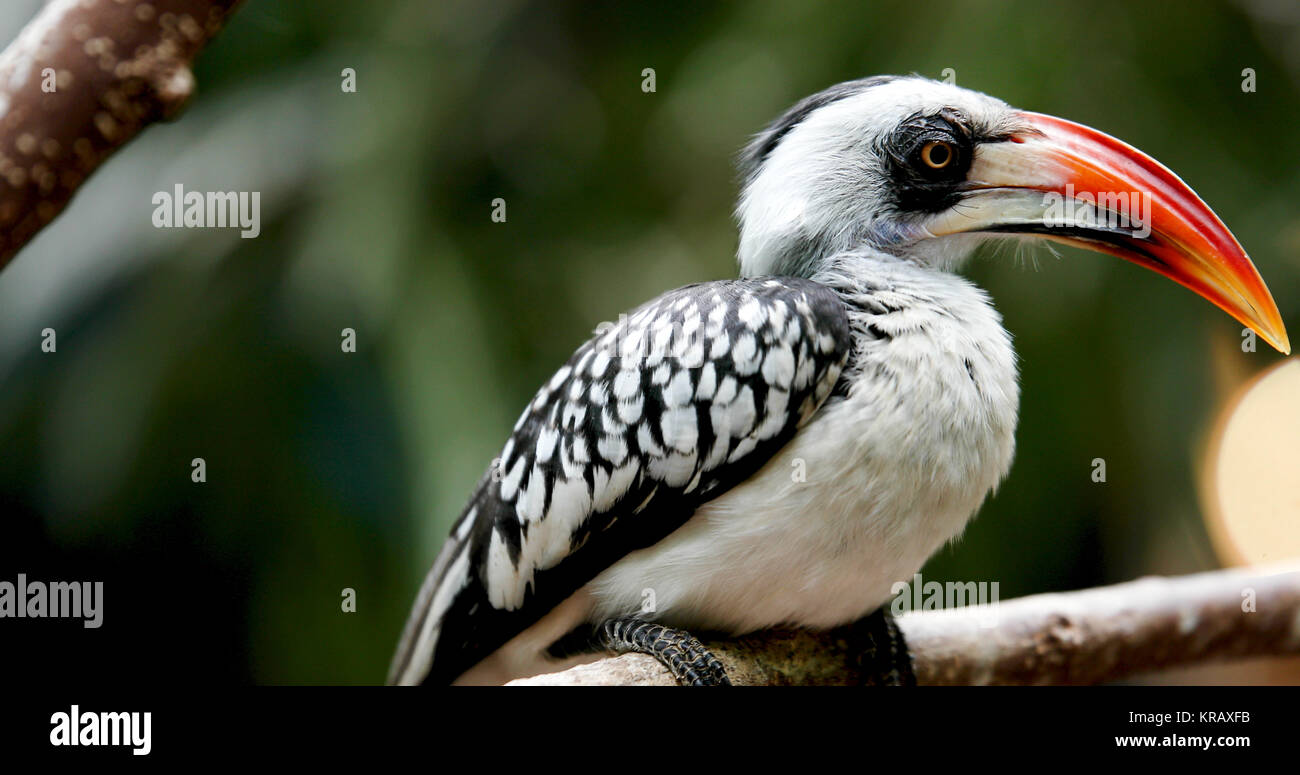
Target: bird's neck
[
  {"x": 889, "y": 291},
  {"x": 785, "y": 237},
  {"x": 865, "y": 274},
  {"x": 792, "y": 251},
  {"x": 784, "y": 255},
  {"x": 935, "y": 331}
]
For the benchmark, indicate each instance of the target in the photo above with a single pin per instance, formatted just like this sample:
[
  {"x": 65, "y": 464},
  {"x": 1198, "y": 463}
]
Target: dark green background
[{"x": 329, "y": 470}]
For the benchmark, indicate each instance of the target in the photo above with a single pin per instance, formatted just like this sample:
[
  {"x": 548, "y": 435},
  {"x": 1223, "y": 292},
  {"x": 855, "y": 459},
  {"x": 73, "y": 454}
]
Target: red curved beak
[{"x": 1070, "y": 183}]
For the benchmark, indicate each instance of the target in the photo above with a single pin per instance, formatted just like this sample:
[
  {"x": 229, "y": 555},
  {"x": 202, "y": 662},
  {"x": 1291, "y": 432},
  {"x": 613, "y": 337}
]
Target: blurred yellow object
[{"x": 1251, "y": 477}]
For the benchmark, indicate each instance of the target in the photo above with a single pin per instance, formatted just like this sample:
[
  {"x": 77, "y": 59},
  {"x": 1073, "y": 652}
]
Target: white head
[
  {"x": 925, "y": 171},
  {"x": 844, "y": 168}
]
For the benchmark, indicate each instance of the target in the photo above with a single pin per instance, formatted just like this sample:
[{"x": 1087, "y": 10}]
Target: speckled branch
[
  {"x": 1086, "y": 637},
  {"x": 81, "y": 80}
]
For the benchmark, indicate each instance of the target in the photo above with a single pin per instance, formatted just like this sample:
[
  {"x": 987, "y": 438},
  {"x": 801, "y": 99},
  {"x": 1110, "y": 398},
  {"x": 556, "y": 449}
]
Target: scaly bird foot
[
  {"x": 679, "y": 651},
  {"x": 879, "y": 651}
]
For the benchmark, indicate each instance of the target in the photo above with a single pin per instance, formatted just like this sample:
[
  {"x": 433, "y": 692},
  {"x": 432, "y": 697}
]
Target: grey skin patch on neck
[{"x": 766, "y": 141}]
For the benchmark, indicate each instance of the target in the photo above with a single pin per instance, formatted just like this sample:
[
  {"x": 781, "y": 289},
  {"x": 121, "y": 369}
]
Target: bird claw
[
  {"x": 879, "y": 652},
  {"x": 685, "y": 657}
]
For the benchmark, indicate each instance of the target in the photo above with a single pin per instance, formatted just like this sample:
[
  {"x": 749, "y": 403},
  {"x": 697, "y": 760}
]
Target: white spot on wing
[
  {"x": 804, "y": 376},
  {"x": 510, "y": 483},
  {"x": 570, "y": 504},
  {"x": 743, "y": 448},
  {"x": 600, "y": 363},
  {"x": 503, "y": 584},
  {"x": 679, "y": 390},
  {"x": 663, "y": 336},
  {"x": 613, "y": 448},
  {"x": 778, "y": 367},
  {"x": 627, "y": 384},
  {"x": 719, "y": 346},
  {"x": 745, "y": 355},
  {"x": 740, "y": 414},
  {"x": 647, "y": 442},
  {"x": 546, "y": 443},
  {"x": 466, "y": 524},
  {"x": 679, "y": 428},
  {"x": 717, "y": 316},
  {"x": 708, "y": 383},
  {"x": 693, "y": 357},
  {"x": 674, "y": 469},
  {"x": 720, "y": 447},
  {"x": 752, "y": 313},
  {"x": 726, "y": 391},
  {"x": 529, "y": 507},
  {"x": 620, "y": 481},
  {"x": 630, "y": 411}
]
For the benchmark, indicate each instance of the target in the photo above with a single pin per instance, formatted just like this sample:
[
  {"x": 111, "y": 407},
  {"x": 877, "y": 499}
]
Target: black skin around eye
[{"x": 918, "y": 187}]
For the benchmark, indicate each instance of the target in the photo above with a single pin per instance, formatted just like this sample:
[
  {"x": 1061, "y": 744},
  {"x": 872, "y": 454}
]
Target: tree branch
[
  {"x": 82, "y": 79},
  {"x": 1086, "y": 637}
]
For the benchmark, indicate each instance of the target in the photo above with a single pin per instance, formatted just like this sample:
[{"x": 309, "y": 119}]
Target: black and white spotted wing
[{"x": 682, "y": 399}]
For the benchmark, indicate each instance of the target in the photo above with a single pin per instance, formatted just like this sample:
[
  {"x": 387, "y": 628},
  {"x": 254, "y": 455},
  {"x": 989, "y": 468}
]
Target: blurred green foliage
[{"x": 329, "y": 470}]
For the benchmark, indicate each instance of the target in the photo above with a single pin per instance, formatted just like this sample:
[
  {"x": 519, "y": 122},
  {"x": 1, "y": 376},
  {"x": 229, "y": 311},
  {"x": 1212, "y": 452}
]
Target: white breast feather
[{"x": 893, "y": 471}]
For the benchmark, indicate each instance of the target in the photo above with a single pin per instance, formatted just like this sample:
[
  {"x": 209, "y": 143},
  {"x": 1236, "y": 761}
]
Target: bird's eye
[
  {"x": 929, "y": 156},
  {"x": 937, "y": 154}
]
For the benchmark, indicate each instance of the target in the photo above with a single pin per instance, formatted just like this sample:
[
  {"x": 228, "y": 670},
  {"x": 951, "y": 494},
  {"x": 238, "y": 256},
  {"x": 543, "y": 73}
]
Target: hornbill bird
[{"x": 648, "y": 490}]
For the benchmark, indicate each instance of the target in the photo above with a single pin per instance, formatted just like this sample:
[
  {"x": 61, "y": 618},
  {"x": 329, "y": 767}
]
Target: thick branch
[
  {"x": 81, "y": 80},
  {"x": 1086, "y": 637}
]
